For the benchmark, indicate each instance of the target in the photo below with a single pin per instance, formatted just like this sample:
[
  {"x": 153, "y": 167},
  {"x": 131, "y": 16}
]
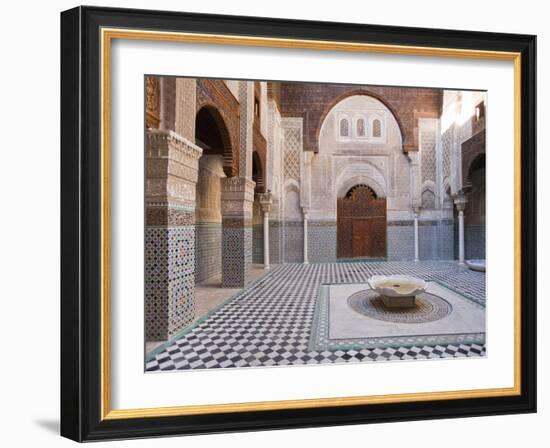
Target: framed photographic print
[{"x": 275, "y": 224}]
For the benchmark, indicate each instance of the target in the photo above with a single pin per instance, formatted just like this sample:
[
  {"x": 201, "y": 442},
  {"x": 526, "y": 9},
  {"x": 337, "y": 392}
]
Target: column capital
[
  {"x": 238, "y": 187},
  {"x": 172, "y": 167},
  {"x": 166, "y": 143},
  {"x": 460, "y": 201},
  {"x": 238, "y": 183},
  {"x": 237, "y": 196},
  {"x": 266, "y": 200},
  {"x": 305, "y": 212}
]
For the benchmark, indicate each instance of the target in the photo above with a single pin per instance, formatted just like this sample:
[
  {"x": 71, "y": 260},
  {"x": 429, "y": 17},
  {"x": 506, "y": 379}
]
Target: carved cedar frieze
[{"x": 152, "y": 101}]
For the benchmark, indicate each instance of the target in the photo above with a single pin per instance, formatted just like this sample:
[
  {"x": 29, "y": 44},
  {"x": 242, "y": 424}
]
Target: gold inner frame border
[{"x": 107, "y": 35}]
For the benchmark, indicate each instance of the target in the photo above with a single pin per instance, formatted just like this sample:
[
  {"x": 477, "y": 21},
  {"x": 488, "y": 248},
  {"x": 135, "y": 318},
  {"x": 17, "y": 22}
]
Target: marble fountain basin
[
  {"x": 476, "y": 265},
  {"x": 397, "y": 291}
]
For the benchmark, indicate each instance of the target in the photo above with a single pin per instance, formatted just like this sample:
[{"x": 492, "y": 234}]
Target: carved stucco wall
[
  {"x": 291, "y": 164},
  {"x": 343, "y": 163},
  {"x": 311, "y": 101}
]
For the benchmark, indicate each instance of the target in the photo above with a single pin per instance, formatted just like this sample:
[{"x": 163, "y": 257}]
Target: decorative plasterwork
[
  {"x": 353, "y": 171},
  {"x": 172, "y": 167},
  {"x": 266, "y": 201},
  {"x": 237, "y": 196},
  {"x": 460, "y": 201}
]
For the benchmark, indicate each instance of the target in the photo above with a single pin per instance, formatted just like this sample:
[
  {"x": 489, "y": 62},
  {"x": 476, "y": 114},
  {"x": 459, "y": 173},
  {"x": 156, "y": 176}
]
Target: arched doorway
[
  {"x": 361, "y": 224},
  {"x": 212, "y": 136},
  {"x": 293, "y": 229},
  {"x": 474, "y": 214},
  {"x": 257, "y": 216}
]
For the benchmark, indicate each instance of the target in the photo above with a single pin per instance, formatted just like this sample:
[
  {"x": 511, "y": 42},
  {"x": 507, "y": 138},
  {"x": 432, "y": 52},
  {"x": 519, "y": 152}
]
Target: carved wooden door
[
  {"x": 359, "y": 236},
  {"x": 361, "y": 220}
]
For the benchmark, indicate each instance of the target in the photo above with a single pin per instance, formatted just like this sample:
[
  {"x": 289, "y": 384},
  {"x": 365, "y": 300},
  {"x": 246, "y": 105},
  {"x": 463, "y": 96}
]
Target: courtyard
[
  {"x": 275, "y": 320},
  {"x": 270, "y": 206}
]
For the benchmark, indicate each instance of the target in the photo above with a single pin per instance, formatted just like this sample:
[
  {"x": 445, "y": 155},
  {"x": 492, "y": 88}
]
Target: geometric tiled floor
[
  {"x": 269, "y": 322},
  {"x": 209, "y": 295}
]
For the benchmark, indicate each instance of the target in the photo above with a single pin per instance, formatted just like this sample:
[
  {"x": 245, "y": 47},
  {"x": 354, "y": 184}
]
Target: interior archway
[
  {"x": 474, "y": 214},
  {"x": 361, "y": 92},
  {"x": 257, "y": 216},
  {"x": 211, "y": 136}
]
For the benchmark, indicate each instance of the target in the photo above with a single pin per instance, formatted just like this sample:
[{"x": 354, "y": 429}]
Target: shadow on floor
[{"x": 51, "y": 425}]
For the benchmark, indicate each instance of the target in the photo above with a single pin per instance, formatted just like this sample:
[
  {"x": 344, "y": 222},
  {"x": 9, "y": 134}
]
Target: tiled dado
[
  {"x": 237, "y": 199},
  {"x": 474, "y": 241},
  {"x": 258, "y": 243},
  {"x": 322, "y": 241},
  {"x": 435, "y": 240},
  {"x": 237, "y": 255},
  {"x": 208, "y": 251},
  {"x": 276, "y": 241},
  {"x": 169, "y": 280},
  {"x": 293, "y": 234}
]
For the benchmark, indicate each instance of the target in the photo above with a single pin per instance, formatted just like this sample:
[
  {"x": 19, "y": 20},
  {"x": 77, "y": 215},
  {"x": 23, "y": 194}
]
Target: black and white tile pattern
[{"x": 269, "y": 322}]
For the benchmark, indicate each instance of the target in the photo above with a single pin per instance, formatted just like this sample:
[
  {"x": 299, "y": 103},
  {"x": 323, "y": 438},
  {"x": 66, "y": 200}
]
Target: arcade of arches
[{"x": 244, "y": 174}]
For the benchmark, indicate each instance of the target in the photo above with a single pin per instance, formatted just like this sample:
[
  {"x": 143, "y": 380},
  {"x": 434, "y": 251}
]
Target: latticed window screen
[
  {"x": 446, "y": 143},
  {"x": 292, "y": 154},
  {"x": 428, "y": 156},
  {"x": 361, "y": 127},
  {"x": 376, "y": 128},
  {"x": 344, "y": 127}
]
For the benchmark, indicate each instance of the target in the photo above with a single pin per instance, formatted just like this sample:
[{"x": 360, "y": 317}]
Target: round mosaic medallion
[{"x": 429, "y": 308}]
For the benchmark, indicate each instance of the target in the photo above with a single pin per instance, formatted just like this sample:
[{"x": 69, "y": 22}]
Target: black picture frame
[{"x": 81, "y": 210}]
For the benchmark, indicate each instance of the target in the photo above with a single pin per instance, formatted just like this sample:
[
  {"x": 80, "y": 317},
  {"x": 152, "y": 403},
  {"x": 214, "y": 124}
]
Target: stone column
[
  {"x": 460, "y": 203},
  {"x": 171, "y": 177},
  {"x": 415, "y": 179},
  {"x": 237, "y": 200},
  {"x": 305, "y": 212},
  {"x": 265, "y": 205},
  {"x": 416, "y": 213}
]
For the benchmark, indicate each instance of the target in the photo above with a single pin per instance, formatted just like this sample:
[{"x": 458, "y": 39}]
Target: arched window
[
  {"x": 344, "y": 127},
  {"x": 360, "y": 127},
  {"x": 377, "y": 128}
]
